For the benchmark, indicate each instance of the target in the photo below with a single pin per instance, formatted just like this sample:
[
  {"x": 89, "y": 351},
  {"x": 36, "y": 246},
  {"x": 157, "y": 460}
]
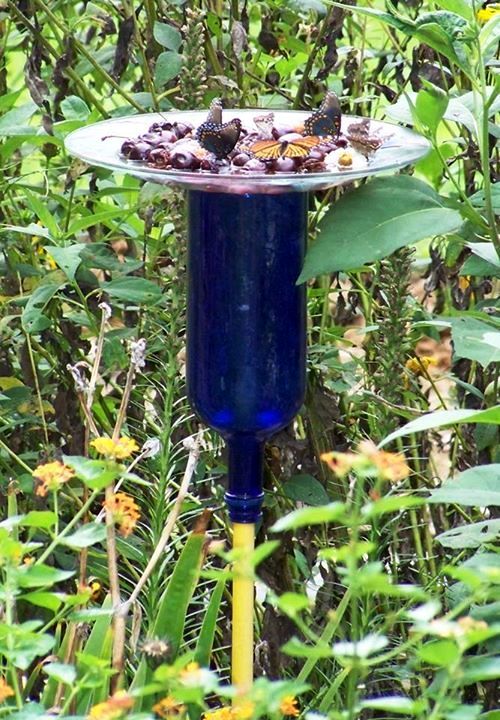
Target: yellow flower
[
  {"x": 118, "y": 450},
  {"x": 419, "y": 365},
  {"x": 340, "y": 463},
  {"x": 289, "y": 706},
  {"x": 468, "y": 624},
  {"x": 5, "y": 690},
  {"x": 389, "y": 466},
  {"x": 51, "y": 476},
  {"x": 112, "y": 709},
  {"x": 487, "y": 13},
  {"x": 124, "y": 511},
  {"x": 244, "y": 711},
  {"x": 223, "y": 713},
  {"x": 168, "y": 707}
]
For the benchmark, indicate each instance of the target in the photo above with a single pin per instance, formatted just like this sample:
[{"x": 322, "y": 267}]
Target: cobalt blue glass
[{"x": 246, "y": 326}]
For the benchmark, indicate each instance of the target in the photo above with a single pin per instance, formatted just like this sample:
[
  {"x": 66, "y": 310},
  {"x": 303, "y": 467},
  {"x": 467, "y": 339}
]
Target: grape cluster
[{"x": 171, "y": 145}]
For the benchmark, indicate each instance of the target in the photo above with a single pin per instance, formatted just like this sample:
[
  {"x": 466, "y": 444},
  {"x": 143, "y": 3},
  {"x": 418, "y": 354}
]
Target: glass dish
[{"x": 401, "y": 147}]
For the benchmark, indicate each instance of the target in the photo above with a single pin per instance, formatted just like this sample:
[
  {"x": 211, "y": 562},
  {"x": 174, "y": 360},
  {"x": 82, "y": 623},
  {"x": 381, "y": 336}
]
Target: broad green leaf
[
  {"x": 469, "y": 341},
  {"x": 310, "y": 516},
  {"x": 292, "y": 604},
  {"x": 39, "y": 519},
  {"x": 392, "y": 704},
  {"x": 68, "y": 258},
  {"x": 168, "y": 66},
  {"x": 391, "y": 504},
  {"x": 74, "y": 108},
  {"x": 442, "y": 653},
  {"x": 306, "y": 489},
  {"x": 96, "y": 474},
  {"x": 296, "y": 648},
  {"x": 32, "y": 317},
  {"x": 167, "y": 35},
  {"x": 14, "y": 122},
  {"x": 63, "y": 673},
  {"x": 430, "y": 106},
  {"x": 49, "y": 600},
  {"x": 40, "y": 575},
  {"x": 477, "y": 486},
  {"x": 373, "y": 221},
  {"x": 480, "y": 669},
  {"x": 444, "y": 418},
  {"x": 88, "y": 534},
  {"x": 464, "y": 8},
  {"x": 133, "y": 290},
  {"x": 102, "y": 257},
  {"x": 470, "y": 536}
]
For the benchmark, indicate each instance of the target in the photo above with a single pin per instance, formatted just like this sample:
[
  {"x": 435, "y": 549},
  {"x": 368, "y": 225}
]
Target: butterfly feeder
[{"x": 246, "y": 315}]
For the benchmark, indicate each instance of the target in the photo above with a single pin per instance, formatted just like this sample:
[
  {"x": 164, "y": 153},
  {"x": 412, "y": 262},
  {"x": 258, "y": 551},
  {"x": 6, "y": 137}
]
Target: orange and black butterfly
[
  {"x": 274, "y": 149},
  {"x": 326, "y": 119}
]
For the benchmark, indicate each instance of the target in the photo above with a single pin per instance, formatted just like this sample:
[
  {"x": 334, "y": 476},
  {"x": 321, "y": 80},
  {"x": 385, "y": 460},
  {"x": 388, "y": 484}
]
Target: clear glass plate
[{"x": 401, "y": 147}]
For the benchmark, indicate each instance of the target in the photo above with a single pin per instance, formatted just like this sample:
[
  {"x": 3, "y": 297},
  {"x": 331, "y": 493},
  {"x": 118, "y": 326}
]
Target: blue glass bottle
[{"x": 246, "y": 343}]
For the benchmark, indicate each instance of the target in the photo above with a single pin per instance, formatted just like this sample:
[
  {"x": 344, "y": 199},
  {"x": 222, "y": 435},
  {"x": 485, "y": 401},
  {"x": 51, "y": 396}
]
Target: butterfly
[
  {"x": 273, "y": 149},
  {"x": 215, "y": 112},
  {"x": 326, "y": 119},
  {"x": 219, "y": 139},
  {"x": 265, "y": 124},
  {"x": 359, "y": 136}
]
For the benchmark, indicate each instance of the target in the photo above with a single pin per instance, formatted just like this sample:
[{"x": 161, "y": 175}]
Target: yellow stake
[{"x": 242, "y": 640}]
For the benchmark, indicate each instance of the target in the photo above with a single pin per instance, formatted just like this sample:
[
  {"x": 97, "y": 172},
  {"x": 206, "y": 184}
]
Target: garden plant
[{"x": 377, "y": 570}]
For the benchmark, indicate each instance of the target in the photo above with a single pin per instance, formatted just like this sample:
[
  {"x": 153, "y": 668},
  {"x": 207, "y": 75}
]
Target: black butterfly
[
  {"x": 325, "y": 120},
  {"x": 219, "y": 139}
]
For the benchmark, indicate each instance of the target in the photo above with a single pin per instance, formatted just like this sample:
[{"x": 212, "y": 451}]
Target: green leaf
[
  {"x": 14, "y": 121},
  {"x": 167, "y": 35},
  {"x": 49, "y": 600},
  {"x": 40, "y": 575},
  {"x": 96, "y": 474},
  {"x": 168, "y": 66},
  {"x": 82, "y": 223},
  {"x": 32, "y": 317},
  {"x": 88, "y": 534},
  {"x": 296, "y": 648},
  {"x": 63, "y": 673},
  {"x": 470, "y": 339},
  {"x": 375, "y": 220},
  {"x": 310, "y": 516},
  {"x": 209, "y": 627},
  {"x": 74, "y": 108},
  {"x": 133, "y": 290},
  {"x": 292, "y": 604},
  {"x": 480, "y": 669},
  {"x": 430, "y": 106},
  {"x": 442, "y": 653},
  {"x": 39, "y": 519},
  {"x": 306, "y": 489},
  {"x": 477, "y": 486},
  {"x": 68, "y": 258},
  {"x": 391, "y": 504},
  {"x": 395, "y": 704},
  {"x": 464, "y": 8},
  {"x": 443, "y": 418},
  {"x": 470, "y": 536}
]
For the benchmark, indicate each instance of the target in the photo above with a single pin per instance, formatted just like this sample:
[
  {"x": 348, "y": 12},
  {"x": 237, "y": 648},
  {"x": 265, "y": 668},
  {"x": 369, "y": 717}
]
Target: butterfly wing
[
  {"x": 215, "y": 112},
  {"x": 219, "y": 139},
  {"x": 266, "y": 149},
  {"x": 326, "y": 120}
]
